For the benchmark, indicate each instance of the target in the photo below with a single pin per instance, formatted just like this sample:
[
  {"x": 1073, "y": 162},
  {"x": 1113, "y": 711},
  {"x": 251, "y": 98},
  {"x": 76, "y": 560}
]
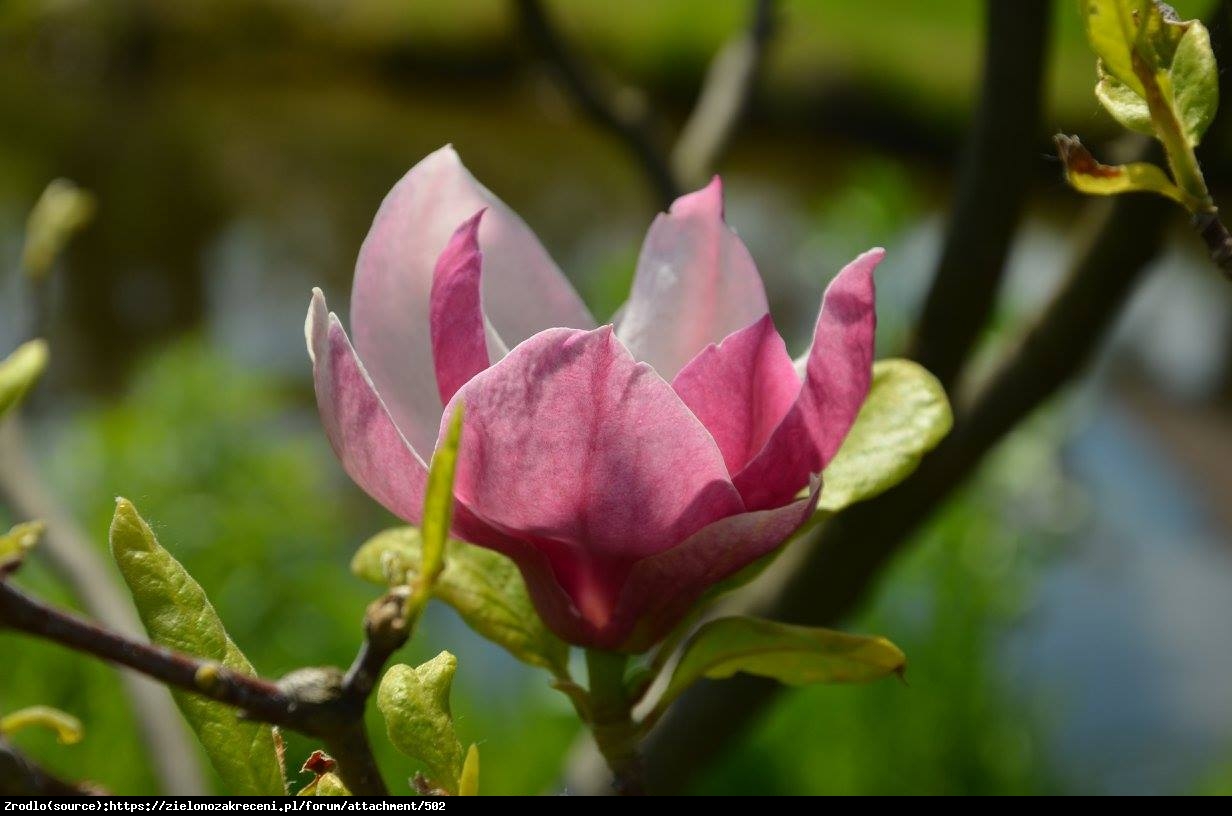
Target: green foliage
[
  {"x": 415, "y": 704},
  {"x": 905, "y": 416},
  {"x": 468, "y": 780},
  {"x": 437, "y": 516},
  {"x": 61, "y": 211},
  {"x": 792, "y": 655},
  {"x": 483, "y": 586},
  {"x": 1087, "y": 175},
  {"x": 327, "y": 784},
  {"x": 66, "y": 727},
  {"x": 19, "y": 371},
  {"x": 20, "y": 540},
  {"x": 1112, "y": 29},
  {"x": 177, "y": 614}
]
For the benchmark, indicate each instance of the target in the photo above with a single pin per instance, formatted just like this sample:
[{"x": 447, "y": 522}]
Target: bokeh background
[{"x": 1066, "y": 617}]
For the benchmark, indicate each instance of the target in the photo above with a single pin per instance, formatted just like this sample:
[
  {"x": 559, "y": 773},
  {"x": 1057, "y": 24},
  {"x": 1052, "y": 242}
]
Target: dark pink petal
[
  {"x": 459, "y": 339},
  {"x": 836, "y": 381},
  {"x": 373, "y": 451},
  {"x": 523, "y": 290},
  {"x": 695, "y": 284},
  {"x": 572, "y": 448},
  {"x": 741, "y": 389}
]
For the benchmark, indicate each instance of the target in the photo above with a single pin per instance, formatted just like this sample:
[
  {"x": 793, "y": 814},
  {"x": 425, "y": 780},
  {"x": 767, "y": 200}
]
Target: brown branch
[
  {"x": 992, "y": 188},
  {"x": 1218, "y": 242},
  {"x": 724, "y": 98},
  {"x": 21, "y": 776},
  {"x": 320, "y": 703},
  {"x": 631, "y": 126},
  {"x": 77, "y": 562}
]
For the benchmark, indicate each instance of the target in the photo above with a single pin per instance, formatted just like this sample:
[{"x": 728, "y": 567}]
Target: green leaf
[
  {"x": 415, "y": 704},
  {"x": 1129, "y": 109},
  {"x": 468, "y": 782},
  {"x": 62, "y": 210},
  {"x": 483, "y": 586},
  {"x": 1112, "y": 29},
  {"x": 19, "y": 371},
  {"x": 1086, "y": 175},
  {"x": 20, "y": 540},
  {"x": 327, "y": 784},
  {"x": 438, "y": 502},
  {"x": 794, "y": 655},
  {"x": 177, "y": 614},
  {"x": 67, "y": 727},
  {"x": 1195, "y": 81},
  {"x": 905, "y": 416}
]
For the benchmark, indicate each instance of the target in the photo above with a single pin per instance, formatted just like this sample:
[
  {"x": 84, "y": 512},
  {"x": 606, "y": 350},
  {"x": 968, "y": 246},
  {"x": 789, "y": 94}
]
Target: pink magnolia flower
[{"x": 625, "y": 468}]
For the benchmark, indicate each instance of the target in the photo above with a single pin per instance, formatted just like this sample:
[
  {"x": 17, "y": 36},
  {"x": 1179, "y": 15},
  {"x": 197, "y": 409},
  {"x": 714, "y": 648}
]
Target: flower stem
[{"x": 612, "y": 722}]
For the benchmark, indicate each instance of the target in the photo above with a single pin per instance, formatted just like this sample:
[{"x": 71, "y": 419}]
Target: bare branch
[
  {"x": 724, "y": 98},
  {"x": 77, "y": 561},
  {"x": 992, "y": 188},
  {"x": 21, "y": 776},
  {"x": 630, "y": 123},
  {"x": 320, "y": 703}
]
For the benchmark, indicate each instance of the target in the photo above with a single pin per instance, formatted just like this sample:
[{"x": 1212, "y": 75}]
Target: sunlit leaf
[
  {"x": 906, "y": 414},
  {"x": 19, "y": 371},
  {"x": 484, "y": 587},
  {"x": 177, "y": 614},
  {"x": 62, "y": 210},
  {"x": 1195, "y": 81},
  {"x": 437, "y": 515},
  {"x": 20, "y": 540},
  {"x": 468, "y": 783},
  {"x": 1112, "y": 29},
  {"x": 327, "y": 784},
  {"x": 67, "y": 727},
  {"x": 1087, "y": 175},
  {"x": 415, "y": 704},
  {"x": 794, "y": 655},
  {"x": 1129, "y": 109}
]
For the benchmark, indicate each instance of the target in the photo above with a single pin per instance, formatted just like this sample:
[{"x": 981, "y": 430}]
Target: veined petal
[
  {"x": 695, "y": 284},
  {"x": 575, "y": 449},
  {"x": 836, "y": 381},
  {"x": 741, "y": 389},
  {"x": 459, "y": 341},
  {"x": 372, "y": 450},
  {"x": 524, "y": 290}
]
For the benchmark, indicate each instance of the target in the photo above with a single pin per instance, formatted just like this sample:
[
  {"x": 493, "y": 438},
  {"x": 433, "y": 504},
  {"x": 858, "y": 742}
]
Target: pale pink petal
[
  {"x": 695, "y": 284},
  {"x": 372, "y": 450},
  {"x": 572, "y": 447},
  {"x": 836, "y": 381},
  {"x": 459, "y": 341},
  {"x": 740, "y": 390},
  {"x": 523, "y": 290}
]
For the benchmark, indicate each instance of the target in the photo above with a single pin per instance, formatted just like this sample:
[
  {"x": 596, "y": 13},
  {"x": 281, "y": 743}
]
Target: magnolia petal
[
  {"x": 523, "y": 288},
  {"x": 573, "y": 447},
  {"x": 459, "y": 341},
  {"x": 695, "y": 284},
  {"x": 741, "y": 389},
  {"x": 836, "y": 381},
  {"x": 372, "y": 450}
]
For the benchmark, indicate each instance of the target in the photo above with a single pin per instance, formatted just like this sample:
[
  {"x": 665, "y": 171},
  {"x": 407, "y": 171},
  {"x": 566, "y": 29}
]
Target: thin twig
[
  {"x": 311, "y": 701},
  {"x": 77, "y": 561},
  {"x": 1218, "y": 242},
  {"x": 627, "y": 121},
  {"x": 991, "y": 190},
  {"x": 22, "y": 776},
  {"x": 724, "y": 98}
]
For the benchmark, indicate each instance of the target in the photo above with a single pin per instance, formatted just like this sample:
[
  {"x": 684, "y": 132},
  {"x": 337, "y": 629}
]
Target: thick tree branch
[
  {"x": 992, "y": 188},
  {"x": 629, "y": 123},
  {"x": 77, "y": 561},
  {"x": 320, "y": 703},
  {"x": 724, "y": 98}
]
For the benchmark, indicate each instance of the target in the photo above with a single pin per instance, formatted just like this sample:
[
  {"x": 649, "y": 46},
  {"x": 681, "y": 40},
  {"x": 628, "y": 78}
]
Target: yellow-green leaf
[
  {"x": 415, "y": 704},
  {"x": 1112, "y": 29},
  {"x": 67, "y": 727},
  {"x": 793, "y": 655},
  {"x": 1195, "y": 81},
  {"x": 483, "y": 586},
  {"x": 468, "y": 783},
  {"x": 20, "y": 540},
  {"x": 327, "y": 784},
  {"x": 905, "y": 416},
  {"x": 19, "y": 371},
  {"x": 1129, "y": 109},
  {"x": 437, "y": 513},
  {"x": 1086, "y": 175},
  {"x": 177, "y": 614},
  {"x": 62, "y": 210}
]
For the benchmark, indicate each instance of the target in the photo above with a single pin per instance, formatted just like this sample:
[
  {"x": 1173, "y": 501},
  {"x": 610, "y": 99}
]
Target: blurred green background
[{"x": 1065, "y": 618}]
